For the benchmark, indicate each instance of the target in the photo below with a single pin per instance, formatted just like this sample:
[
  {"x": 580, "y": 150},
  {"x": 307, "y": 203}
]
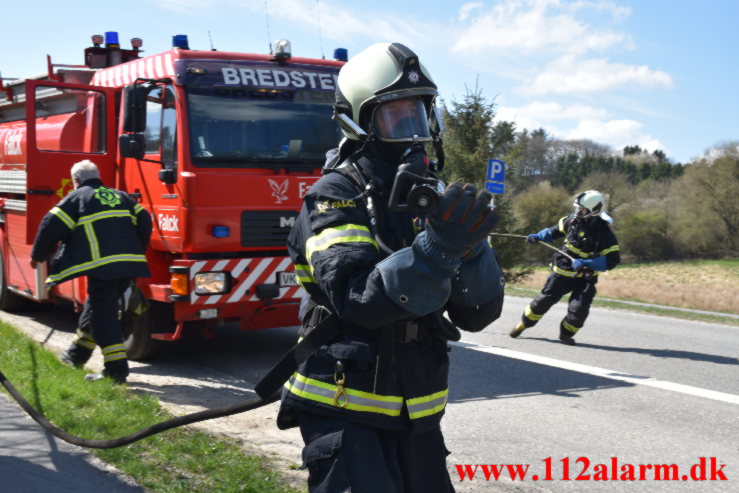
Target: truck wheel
[
  {"x": 9, "y": 301},
  {"x": 137, "y": 330}
]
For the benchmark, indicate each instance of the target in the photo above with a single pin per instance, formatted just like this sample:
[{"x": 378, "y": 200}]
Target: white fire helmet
[
  {"x": 593, "y": 202},
  {"x": 388, "y": 93}
]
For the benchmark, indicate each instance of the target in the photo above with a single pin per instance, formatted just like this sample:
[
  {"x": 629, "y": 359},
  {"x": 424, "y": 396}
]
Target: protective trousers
[
  {"x": 343, "y": 456},
  {"x": 583, "y": 291},
  {"x": 99, "y": 325}
]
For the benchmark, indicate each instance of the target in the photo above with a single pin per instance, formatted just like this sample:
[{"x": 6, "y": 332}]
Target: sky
[{"x": 661, "y": 74}]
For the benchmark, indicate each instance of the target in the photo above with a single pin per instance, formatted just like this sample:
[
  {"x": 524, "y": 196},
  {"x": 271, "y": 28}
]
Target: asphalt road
[{"x": 638, "y": 390}]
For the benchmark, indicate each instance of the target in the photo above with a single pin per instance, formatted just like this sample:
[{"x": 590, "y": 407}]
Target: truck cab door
[{"x": 67, "y": 123}]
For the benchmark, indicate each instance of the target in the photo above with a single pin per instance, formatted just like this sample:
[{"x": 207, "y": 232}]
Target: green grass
[
  {"x": 179, "y": 460},
  {"x": 619, "y": 305}
]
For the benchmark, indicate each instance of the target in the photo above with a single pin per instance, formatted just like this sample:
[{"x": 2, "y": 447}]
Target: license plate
[{"x": 286, "y": 279}]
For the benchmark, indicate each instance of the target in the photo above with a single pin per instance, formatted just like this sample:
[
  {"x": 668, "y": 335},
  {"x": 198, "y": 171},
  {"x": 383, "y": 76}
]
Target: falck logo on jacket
[{"x": 279, "y": 190}]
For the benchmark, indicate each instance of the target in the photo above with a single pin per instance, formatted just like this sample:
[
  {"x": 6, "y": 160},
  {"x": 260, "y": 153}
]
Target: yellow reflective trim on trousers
[
  {"x": 84, "y": 339},
  {"x": 571, "y": 248},
  {"x": 113, "y": 352},
  {"x": 614, "y": 248},
  {"x": 570, "y": 327},
  {"x": 357, "y": 400},
  {"x": 347, "y": 233},
  {"x": 528, "y": 313},
  {"x": 420, "y": 407},
  {"x": 92, "y": 240},
  {"x": 63, "y": 217},
  {"x": 97, "y": 263}
]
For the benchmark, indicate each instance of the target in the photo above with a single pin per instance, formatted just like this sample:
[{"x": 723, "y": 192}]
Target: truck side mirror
[
  {"x": 132, "y": 145},
  {"x": 134, "y": 110}
]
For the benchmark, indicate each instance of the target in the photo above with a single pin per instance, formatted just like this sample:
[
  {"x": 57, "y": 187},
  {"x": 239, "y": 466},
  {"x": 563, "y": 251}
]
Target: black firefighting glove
[{"x": 463, "y": 218}]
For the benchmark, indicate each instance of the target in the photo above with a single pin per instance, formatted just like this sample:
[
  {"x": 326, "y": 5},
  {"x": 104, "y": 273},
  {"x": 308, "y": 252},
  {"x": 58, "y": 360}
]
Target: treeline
[{"x": 662, "y": 210}]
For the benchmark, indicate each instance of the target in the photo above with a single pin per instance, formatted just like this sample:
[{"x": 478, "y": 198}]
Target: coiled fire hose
[{"x": 240, "y": 407}]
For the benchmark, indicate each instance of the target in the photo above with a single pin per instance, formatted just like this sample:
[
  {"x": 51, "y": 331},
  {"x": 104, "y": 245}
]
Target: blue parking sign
[{"x": 495, "y": 176}]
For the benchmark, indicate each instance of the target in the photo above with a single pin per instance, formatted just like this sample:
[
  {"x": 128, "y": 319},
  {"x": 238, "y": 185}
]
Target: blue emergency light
[
  {"x": 111, "y": 39},
  {"x": 221, "y": 231},
  {"x": 341, "y": 54},
  {"x": 180, "y": 41}
]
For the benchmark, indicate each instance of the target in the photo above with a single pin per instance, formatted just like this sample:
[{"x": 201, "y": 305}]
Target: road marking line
[{"x": 602, "y": 372}]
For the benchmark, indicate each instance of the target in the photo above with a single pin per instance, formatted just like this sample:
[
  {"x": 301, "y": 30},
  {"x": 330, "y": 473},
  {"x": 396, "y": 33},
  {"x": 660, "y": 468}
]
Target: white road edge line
[{"x": 602, "y": 372}]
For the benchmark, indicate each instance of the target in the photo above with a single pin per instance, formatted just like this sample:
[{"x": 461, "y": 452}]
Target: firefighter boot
[
  {"x": 566, "y": 336},
  {"x": 517, "y": 330},
  {"x": 115, "y": 370},
  {"x": 75, "y": 355}
]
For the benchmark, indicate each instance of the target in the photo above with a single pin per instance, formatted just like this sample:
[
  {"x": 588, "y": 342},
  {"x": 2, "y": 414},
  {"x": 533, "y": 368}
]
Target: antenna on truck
[
  {"x": 269, "y": 35},
  {"x": 211, "y": 42}
]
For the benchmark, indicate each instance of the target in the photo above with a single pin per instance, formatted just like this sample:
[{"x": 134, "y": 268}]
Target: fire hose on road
[{"x": 266, "y": 389}]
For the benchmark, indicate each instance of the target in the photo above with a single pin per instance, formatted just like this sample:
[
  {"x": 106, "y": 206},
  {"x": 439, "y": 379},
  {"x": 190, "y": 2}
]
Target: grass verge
[
  {"x": 622, "y": 305},
  {"x": 179, "y": 460}
]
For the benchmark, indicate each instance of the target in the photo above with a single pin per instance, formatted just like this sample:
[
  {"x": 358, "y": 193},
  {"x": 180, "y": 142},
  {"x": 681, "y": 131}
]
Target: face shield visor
[{"x": 401, "y": 120}]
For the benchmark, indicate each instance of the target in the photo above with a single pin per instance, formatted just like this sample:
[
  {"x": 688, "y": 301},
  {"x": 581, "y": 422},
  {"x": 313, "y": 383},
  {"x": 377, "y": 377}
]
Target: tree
[
  {"x": 539, "y": 207},
  {"x": 470, "y": 140},
  {"x": 705, "y": 204}
]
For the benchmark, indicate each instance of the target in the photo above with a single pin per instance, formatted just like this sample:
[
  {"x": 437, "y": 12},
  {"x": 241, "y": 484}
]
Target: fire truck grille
[{"x": 266, "y": 229}]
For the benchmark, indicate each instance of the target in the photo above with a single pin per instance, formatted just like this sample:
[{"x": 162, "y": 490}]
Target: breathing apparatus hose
[
  {"x": 522, "y": 237},
  {"x": 237, "y": 408}
]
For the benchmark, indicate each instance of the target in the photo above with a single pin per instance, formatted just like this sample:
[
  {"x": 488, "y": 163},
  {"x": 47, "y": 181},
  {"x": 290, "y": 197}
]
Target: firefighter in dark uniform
[
  {"x": 589, "y": 239},
  {"x": 370, "y": 400},
  {"x": 102, "y": 234}
]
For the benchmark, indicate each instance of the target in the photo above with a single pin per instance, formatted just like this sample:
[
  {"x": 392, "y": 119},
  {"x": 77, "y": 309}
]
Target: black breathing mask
[{"x": 413, "y": 190}]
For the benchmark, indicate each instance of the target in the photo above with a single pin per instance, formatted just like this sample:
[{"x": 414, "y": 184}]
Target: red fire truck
[{"x": 219, "y": 147}]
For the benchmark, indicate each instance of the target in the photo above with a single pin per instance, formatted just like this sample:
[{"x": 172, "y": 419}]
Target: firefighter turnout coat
[
  {"x": 385, "y": 368},
  {"x": 585, "y": 239},
  {"x": 101, "y": 232}
]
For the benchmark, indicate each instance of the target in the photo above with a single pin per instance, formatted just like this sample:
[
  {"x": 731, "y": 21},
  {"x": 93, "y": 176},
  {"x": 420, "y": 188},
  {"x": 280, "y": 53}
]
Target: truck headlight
[{"x": 212, "y": 283}]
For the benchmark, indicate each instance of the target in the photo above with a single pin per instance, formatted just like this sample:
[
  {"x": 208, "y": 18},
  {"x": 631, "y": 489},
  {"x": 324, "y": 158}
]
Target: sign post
[{"x": 495, "y": 178}]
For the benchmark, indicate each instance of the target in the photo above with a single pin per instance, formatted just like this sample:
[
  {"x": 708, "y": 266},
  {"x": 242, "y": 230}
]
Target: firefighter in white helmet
[
  {"x": 369, "y": 400},
  {"x": 589, "y": 239}
]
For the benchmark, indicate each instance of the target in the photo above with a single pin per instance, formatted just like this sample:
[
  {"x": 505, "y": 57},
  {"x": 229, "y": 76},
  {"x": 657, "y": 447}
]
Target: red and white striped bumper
[{"x": 246, "y": 274}]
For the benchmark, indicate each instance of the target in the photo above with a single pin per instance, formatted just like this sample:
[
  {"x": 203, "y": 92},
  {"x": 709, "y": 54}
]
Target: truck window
[
  {"x": 161, "y": 123},
  {"x": 236, "y": 126},
  {"x": 70, "y": 120}
]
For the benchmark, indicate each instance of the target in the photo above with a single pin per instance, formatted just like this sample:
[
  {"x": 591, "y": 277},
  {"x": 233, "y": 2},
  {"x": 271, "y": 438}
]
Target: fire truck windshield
[{"x": 237, "y": 126}]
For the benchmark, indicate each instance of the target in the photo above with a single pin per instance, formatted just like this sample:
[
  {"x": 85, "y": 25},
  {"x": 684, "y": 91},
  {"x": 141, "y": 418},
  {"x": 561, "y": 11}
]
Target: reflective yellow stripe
[
  {"x": 347, "y": 233},
  {"x": 420, "y": 407},
  {"x": 92, "y": 240},
  {"x": 562, "y": 272},
  {"x": 63, "y": 217},
  {"x": 113, "y": 352},
  {"x": 570, "y": 327},
  {"x": 104, "y": 215},
  {"x": 137, "y": 208},
  {"x": 96, "y": 263},
  {"x": 530, "y": 314},
  {"x": 84, "y": 339},
  {"x": 302, "y": 274},
  {"x": 315, "y": 390},
  {"x": 570, "y": 273},
  {"x": 561, "y": 224},
  {"x": 614, "y": 248},
  {"x": 572, "y": 248}
]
